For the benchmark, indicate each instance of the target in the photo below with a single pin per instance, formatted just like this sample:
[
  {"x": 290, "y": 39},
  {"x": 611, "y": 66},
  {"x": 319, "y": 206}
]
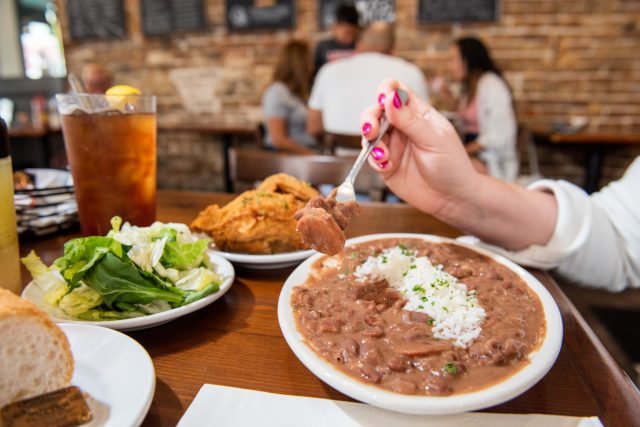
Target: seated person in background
[
  {"x": 342, "y": 89},
  {"x": 96, "y": 78},
  {"x": 345, "y": 30},
  {"x": 284, "y": 101},
  {"x": 486, "y": 109},
  {"x": 593, "y": 240}
]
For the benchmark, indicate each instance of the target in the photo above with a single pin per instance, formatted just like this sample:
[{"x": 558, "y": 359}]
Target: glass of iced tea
[{"x": 111, "y": 147}]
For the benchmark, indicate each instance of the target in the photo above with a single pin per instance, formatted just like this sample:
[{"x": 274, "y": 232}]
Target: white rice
[{"x": 429, "y": 289}]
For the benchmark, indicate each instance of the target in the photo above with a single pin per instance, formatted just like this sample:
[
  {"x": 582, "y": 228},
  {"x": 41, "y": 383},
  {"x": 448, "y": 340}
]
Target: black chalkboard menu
[
  {"x": 441, "y": 11},
  {"x": 96, "y": 19},
  {"x": 167, "y": 16},
  {"x": 245, "y": 15},
  {"x": 368, "y": 10}
]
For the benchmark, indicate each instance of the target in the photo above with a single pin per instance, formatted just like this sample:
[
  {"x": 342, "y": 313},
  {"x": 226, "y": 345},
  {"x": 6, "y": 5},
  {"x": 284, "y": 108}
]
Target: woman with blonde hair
[{"x": 284, "y": 101}]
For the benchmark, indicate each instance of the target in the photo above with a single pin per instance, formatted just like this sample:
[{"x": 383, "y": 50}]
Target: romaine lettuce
[
  {"x": 46, "y": 278},
  {"x": 131, "y": 272},
  {"x": 117, "y": 280},
  {"x": 80, "y": 300}
]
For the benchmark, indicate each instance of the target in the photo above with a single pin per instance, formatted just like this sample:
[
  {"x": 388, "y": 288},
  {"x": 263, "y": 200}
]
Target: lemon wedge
[{"x": 119, "y": 95}]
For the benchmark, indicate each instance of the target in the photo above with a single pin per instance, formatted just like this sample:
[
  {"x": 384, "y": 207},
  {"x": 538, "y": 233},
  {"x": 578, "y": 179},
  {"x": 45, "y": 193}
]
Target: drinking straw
[{"x": 78, "y": 88}]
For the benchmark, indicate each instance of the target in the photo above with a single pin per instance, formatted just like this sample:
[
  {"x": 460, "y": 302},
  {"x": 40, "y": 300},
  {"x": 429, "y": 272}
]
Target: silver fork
[{"x": 346, "y": 192}]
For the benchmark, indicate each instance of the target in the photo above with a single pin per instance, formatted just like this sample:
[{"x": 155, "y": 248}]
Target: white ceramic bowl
[{"x": 541, "y": 360}]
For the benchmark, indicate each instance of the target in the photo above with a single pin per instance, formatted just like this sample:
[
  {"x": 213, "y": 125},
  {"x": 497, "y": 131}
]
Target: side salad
[{"x": 130, "y": 272}]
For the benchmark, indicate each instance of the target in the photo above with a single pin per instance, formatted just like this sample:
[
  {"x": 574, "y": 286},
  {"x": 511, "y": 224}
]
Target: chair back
[
  {"x": 527, "y": 156},
  {"x": 335, "y": 141},
  {"x": 248, "y": 165}
]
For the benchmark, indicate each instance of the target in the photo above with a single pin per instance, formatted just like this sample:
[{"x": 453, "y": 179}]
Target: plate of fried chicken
[{"x": 258, "y": 229}]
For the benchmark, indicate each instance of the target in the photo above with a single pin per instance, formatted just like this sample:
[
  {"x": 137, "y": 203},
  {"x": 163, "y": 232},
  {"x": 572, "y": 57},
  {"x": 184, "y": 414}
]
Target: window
[{"x": 41, "y": 39}]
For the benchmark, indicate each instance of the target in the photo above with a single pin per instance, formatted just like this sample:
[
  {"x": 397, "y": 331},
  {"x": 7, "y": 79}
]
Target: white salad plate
[
  {"x": 267, "y": 262},
  {"x": 541, "y": 360},
  {"x": 115, "y": 371},
  {"x": 34, "y": 294}
]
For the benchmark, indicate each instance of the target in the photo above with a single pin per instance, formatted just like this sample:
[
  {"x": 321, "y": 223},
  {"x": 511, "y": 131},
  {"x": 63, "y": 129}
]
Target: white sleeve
[
  {"x": 610, "y": 258},
  {"x": 315, "y": 99},
  {"x": 496, "y": 118},
  {"x": 596, "y": 241},
  {"x": 571, "y": 230}
]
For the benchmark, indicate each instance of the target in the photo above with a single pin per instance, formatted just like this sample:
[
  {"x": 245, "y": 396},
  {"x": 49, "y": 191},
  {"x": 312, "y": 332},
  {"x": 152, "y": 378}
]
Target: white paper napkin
[{"x": 227, "y": 406}]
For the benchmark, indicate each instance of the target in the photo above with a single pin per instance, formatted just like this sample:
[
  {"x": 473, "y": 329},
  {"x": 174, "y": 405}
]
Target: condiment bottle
[{"x": 9, "y": 253}]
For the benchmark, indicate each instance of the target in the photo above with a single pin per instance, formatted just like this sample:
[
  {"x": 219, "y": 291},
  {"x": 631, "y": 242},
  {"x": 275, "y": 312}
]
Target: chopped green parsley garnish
[
  {"x": 384, "y": 259},
  {"x": 418, "y": 288},
  {"x": 430, "y": 321},
  {"x": 423, "y": 299},
  {"x": 440, "y": 282},
  {"x": 450, "y": 368},
  {"x": 405, "y": 251}
]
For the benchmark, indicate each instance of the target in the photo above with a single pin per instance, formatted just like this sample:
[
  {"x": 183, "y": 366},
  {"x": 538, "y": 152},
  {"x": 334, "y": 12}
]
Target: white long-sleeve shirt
[
  {"x": 596, "y": 241},
  {"x": 345, "y": 88},
  {"x": 498, "y": 129}
]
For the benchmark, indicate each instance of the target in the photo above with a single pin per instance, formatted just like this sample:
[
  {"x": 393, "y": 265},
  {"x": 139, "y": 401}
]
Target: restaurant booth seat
[{"x": 250, "y": 165}]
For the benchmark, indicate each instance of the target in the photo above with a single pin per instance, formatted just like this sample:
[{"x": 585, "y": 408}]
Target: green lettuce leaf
[
  {"x": 46, "y": 278},
  {"x": 195, "y": 296},
  {"x": 80, "y": 300},
  {"x": 184, "y": 256},
  {"x": 80, "y": 255},
  {"x": 99, "y": 315},
  {"x": 197, "y": 279},
  {"x": 119, "y": 281}
]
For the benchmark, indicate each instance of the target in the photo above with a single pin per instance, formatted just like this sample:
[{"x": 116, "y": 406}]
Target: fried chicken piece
[
  {"x": 283, "y": 183},
  {"x": 258, "y": 221}
]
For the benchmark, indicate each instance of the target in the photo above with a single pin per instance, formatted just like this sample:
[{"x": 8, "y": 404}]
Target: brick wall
[{"x": 562, "y": 58}]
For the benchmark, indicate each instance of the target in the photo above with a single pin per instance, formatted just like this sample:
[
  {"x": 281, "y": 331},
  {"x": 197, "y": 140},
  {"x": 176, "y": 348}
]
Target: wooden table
[
  {"x": 594, "y": 145},
  {"x": 236, "y": 341}
]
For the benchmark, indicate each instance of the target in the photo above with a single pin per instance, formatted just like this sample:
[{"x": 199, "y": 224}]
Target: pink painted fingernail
[
  {"x": 381, "y": 98},
  {"x": 383, "y": 164},
  {"x": 397, "y": 102},
  {"x": 377, "y": 153},
  {"x": 366, "y": 128}
]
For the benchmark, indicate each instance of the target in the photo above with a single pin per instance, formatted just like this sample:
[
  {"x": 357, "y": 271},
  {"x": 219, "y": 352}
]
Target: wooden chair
[
  {"x": 247, "y": 165},
  {"x": 527, "y": 157},
  {"x": 332, "y": 142}
]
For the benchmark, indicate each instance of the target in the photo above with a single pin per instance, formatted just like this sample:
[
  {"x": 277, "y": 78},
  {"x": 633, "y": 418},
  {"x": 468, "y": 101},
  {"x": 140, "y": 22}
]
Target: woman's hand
[
  {"x": 421, "y": 158},
  {"x": 424, "y": 162}
]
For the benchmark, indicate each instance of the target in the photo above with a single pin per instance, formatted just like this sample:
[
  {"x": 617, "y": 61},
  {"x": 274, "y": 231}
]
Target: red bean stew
[{"x": 362, "y": 329}]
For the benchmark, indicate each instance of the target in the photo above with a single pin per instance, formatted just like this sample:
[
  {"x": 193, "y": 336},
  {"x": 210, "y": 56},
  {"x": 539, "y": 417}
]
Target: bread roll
[{"x": 35, "y": 356}]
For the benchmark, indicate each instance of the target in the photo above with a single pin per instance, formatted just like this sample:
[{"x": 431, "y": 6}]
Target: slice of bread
[{"x": 35, "y": 356}]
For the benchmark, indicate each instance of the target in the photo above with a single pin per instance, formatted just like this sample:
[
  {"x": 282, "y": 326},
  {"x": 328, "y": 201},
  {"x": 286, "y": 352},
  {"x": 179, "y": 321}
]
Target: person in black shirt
[{"x": 345, "y": 31}]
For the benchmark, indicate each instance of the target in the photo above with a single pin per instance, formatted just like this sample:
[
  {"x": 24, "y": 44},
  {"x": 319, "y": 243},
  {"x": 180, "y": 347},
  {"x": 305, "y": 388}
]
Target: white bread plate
[{"x": 115, "y": 371}]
